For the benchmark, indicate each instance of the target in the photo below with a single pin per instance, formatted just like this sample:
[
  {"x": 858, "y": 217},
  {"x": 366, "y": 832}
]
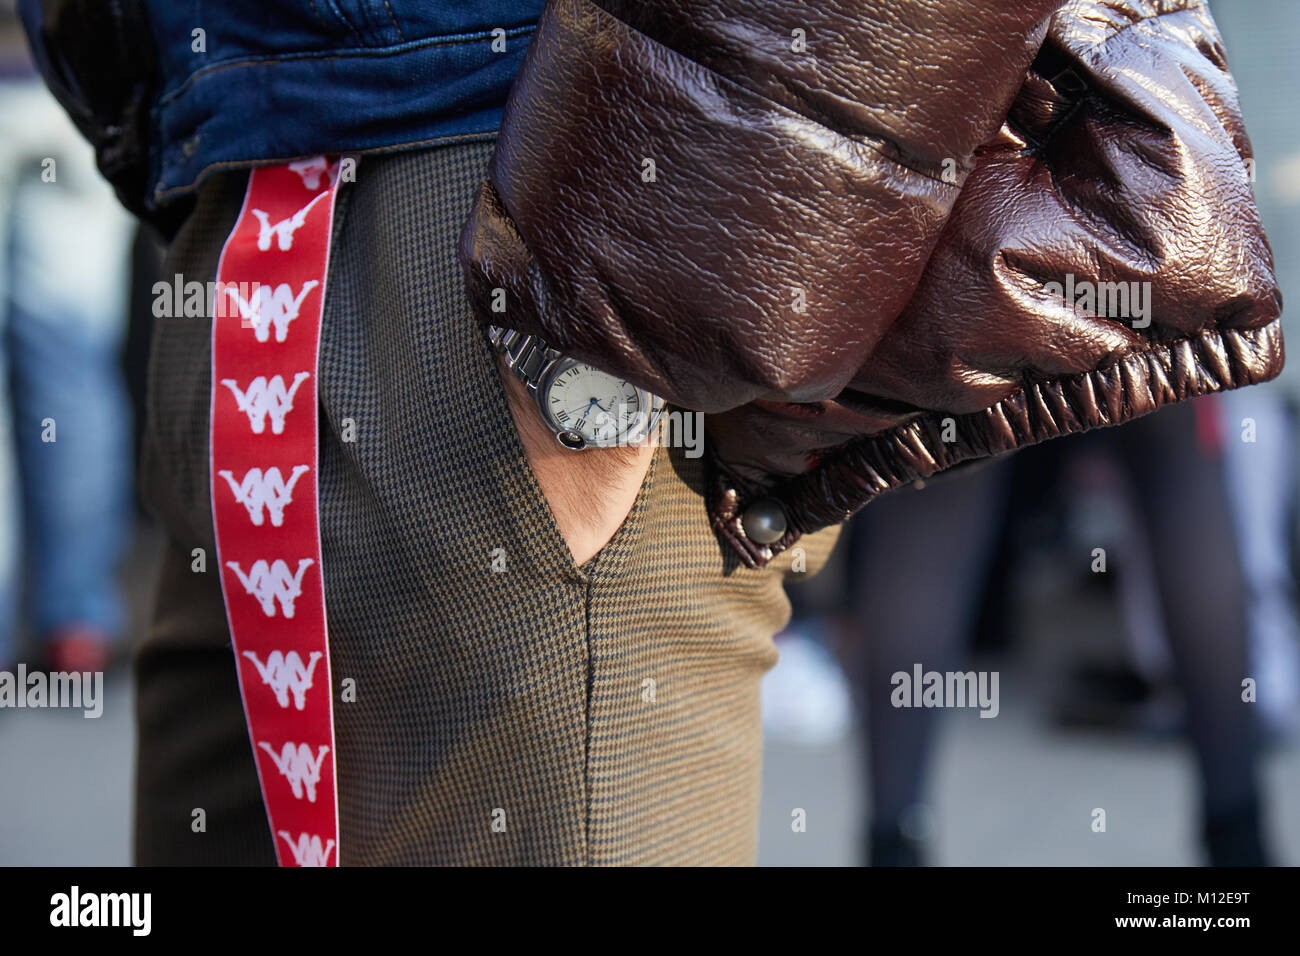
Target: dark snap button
[{"x": 764, "y": 521}]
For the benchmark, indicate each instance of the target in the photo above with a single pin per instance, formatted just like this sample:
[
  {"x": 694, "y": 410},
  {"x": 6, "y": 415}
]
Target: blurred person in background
[
  {"x": 65, "y": 440},
  {"x": 1261, "y": 423},
  {"x": 919, "y": 561}
]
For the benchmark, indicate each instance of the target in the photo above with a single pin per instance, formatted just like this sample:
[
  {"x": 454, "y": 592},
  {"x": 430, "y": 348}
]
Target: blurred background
[{"x": 1121, "y": 585}]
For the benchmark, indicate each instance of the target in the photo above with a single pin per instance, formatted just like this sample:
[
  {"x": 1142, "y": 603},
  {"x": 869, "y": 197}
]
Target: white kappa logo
[
  {"x": 310, "y": 171},
  {"x": 269, "y": 582},
  {"x": 283, "y": 230},
  {"x": 263, "y": 398},
  {"x": 298, "y": 766},
  {"x": 270, "y": 309},
  {"x": 285, "y": 674},
  {"x": 266, "y": 490},
  {"x": 308, "y": 851}
]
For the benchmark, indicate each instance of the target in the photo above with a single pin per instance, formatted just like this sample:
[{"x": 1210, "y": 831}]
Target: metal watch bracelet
[{"x": 526, "y": 356}]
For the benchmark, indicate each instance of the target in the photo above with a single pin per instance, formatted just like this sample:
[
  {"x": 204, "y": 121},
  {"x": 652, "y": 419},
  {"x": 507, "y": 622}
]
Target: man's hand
[{"x": 590, "y": 491}]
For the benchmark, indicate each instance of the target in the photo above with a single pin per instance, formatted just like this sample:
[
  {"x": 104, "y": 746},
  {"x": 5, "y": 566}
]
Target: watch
[{"x": 585, "y": 407}]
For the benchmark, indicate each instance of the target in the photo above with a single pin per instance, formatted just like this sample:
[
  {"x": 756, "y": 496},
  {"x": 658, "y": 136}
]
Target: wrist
[{"x": 590, "y": 491}]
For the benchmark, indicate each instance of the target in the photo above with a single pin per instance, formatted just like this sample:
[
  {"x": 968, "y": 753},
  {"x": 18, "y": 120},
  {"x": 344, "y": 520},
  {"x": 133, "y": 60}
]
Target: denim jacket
[{"x": 170, "y": 90}]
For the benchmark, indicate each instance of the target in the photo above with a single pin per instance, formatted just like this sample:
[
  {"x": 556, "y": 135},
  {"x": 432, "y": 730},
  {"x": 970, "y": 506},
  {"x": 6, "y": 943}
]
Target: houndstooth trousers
[{"x": 507, "y": 706}]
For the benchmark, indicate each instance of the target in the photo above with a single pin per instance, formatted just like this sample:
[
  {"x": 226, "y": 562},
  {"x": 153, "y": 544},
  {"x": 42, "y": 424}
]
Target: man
[
  {"x": 64, "y": 485},
  {"x": 844, "y": 234}
]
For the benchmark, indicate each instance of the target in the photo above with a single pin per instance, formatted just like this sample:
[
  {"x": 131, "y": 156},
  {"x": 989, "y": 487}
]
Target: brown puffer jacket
[{"x": 879, "y": 238}]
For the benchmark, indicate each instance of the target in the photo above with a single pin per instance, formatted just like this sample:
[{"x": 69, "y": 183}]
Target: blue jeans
[{"x": 65, "y": 441}]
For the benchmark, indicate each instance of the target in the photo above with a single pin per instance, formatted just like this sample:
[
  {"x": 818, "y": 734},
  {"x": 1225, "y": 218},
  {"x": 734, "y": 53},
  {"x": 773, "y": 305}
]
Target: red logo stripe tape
[{"x": 264, "y": 460}]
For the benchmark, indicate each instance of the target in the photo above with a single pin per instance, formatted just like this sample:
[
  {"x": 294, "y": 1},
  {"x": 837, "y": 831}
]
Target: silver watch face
[{"x": 588, "y": 407}]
